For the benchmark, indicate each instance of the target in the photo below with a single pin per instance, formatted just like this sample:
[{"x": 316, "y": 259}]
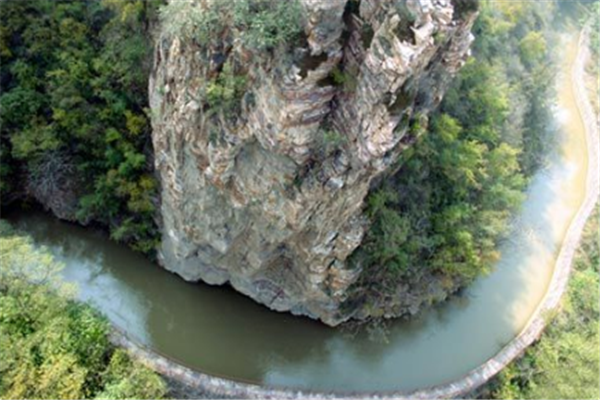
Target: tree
[
  {"x": 50, "y": 345},
  {"x": 533, "y": 47},
  {"x": 441, "y": 216},
  {"x": 74, "y": 83}
]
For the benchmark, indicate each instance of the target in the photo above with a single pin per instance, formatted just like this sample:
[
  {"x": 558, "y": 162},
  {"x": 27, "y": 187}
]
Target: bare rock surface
[
  {"x": 56, "y": 185},
  {"x": 271, "y": 199}
]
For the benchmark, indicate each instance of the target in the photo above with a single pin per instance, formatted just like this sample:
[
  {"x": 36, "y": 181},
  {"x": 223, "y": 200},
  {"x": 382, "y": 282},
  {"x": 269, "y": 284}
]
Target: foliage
[
  {"x": 565, "y": 363},
  {"x": 50, "y": 345},
  {"x": 444, "y": 211},
  {"x": 74, "y": 82},
  {"x": 533, "y": 47},
  {"x": 226, "y": 91},
  {"x": 332, "y": 137},
  {"x": 267, "y": 24},
  {"x": 141, "y": 383},
  {"x": 186, "y": 20},
  {"x": 447, "y": 205},
  {"x": 344, "y": 79},
  {"x": 258, "y": 24},
  {"x": 329, "y": 140}
]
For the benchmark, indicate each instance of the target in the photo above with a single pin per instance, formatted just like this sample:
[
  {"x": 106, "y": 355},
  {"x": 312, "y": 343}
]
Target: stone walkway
[{"x": 196, "y": 384}]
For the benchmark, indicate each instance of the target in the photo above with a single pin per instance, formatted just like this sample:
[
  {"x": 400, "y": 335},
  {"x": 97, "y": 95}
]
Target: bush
[
  {"x": 344, "y": 79},
  {"x": 226, "y": 91},
  {"x": 260, "y": 24},
  {"x": 189, "y": 21},
  {"x": 267, "y": 24}
]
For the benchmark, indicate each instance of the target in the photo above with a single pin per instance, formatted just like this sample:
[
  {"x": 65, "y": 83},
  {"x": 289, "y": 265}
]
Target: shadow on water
[{"x": 218, "y": 331}]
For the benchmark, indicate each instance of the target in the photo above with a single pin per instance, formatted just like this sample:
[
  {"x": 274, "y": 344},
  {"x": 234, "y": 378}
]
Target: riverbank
[
  {"x": 206, "y": 385},
  {"x": 564, "y": 363}
]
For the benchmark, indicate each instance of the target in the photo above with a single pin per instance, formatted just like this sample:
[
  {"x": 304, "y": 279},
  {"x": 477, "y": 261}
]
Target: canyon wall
[{"x": 269, "y": 195}]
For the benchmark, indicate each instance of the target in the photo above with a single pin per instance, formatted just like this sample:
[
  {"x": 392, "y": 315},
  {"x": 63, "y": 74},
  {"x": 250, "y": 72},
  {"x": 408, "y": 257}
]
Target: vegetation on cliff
[
  {"x": 259, "y": 24},
  {"x": 440, "y": 217},
  {"x": 52, "y": 347},
  {"x": 74, "y": 96},
  {"x": 227, "y": 29}
]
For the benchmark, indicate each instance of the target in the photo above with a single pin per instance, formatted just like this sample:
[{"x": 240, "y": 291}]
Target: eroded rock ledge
[{"x": 270, "y": 199}]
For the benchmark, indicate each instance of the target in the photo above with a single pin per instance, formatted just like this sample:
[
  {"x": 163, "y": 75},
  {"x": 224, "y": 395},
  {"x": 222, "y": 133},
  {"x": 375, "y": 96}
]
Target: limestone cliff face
[{"x": 271, "y": 199}]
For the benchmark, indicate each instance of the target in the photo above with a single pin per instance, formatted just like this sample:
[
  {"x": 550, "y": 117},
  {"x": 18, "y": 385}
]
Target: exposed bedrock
[{"x": 271, "y": 198}]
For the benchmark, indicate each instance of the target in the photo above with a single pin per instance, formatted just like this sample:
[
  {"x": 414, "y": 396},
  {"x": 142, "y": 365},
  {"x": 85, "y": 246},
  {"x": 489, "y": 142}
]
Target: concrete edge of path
[{"x": 198, "y": 384}]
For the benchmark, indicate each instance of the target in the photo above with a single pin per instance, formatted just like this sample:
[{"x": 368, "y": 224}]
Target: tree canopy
[
  {"x": 74, "y": 87},
  {"x": 52, "y": 346},
  {"x": 445, "y": 210}
]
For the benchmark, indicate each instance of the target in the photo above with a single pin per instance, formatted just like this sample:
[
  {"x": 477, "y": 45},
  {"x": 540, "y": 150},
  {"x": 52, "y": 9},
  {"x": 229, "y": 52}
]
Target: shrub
[
  {"x": 267, "y": 24},
  {"x": 191, "y": 21},
  {"x": 345, "y": 79},
  {"x": 329, "y": 140},
  {"x": 260, "y": 24},
  {"x": 226, "y": 91}
]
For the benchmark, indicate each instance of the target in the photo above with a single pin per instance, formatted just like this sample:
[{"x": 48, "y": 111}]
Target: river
[{"x": 220, "y": 332}]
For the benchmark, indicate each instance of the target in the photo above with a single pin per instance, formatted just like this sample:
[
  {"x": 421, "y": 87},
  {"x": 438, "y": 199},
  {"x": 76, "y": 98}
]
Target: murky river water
[{"x": 221, "y": 332}]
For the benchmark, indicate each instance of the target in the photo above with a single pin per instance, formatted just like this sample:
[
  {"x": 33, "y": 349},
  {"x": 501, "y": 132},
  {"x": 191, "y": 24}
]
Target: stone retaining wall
[{"x": 197, "y": 384}]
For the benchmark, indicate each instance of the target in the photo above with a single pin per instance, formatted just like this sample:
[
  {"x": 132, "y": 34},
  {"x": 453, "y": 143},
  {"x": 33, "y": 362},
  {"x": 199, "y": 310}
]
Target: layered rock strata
[{"x": 270, "y": 199}]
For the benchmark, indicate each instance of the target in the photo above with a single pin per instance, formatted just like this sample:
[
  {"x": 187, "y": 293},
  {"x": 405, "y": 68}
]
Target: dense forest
[
  {"x": 75, "y": 128},
  {"x": 441, "y": 216},
  {"x": 74, "y": 134}
]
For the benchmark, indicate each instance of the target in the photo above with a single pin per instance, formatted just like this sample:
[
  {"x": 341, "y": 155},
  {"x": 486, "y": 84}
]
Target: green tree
[
  {"x": 74, "y": 82},
  {"x": 533, "y": 47},
  {"x": 441, "y": 216},
  {"x": 50, "y": 345}
]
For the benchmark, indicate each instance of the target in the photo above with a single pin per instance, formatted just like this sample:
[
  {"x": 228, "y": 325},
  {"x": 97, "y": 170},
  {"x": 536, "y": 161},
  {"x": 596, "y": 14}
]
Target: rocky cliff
[{"x": 265, "y": 189}]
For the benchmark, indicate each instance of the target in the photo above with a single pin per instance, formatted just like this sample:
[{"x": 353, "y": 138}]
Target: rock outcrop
[
  {"x": 56, "y": 185},
  {"x": 270, "y": 199}
]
